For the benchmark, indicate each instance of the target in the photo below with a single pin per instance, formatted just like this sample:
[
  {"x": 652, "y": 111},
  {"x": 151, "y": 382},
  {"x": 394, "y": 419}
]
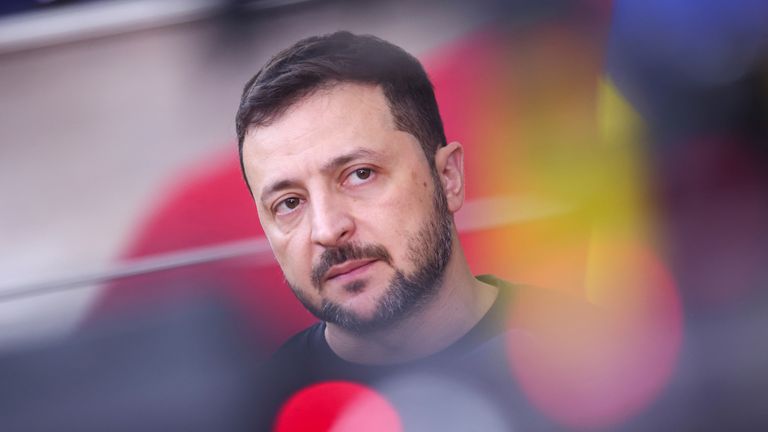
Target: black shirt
[{"x": 467, "y": 386}]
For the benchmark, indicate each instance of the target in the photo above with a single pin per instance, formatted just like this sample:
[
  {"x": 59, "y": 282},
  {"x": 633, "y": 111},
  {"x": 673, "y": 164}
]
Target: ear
[{"x": 449, "y": 161}]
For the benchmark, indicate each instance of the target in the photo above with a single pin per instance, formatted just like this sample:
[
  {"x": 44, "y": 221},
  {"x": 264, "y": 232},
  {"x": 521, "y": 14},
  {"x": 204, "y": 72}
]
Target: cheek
[
  {"x": 400, "y": 215},
  {"x": 293, "y": 253},
  {"x": 391, "y": 216},
  {"x": 414, "y": 201},
  {"x": 279, "y": 244}
]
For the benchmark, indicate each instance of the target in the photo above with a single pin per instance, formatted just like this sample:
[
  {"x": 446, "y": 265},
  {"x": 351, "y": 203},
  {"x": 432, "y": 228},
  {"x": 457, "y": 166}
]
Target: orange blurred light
[{"x": 595, "y": 365}]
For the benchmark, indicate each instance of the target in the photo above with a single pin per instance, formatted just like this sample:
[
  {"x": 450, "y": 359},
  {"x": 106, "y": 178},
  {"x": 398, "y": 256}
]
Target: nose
[{"x": 332, "y": 224}]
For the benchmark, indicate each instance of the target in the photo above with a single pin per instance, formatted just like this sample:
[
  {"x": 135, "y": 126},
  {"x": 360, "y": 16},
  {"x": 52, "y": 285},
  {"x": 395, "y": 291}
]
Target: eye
[
  {"x": 287, "y": 205},
  {"x": 360, "y": 176}
]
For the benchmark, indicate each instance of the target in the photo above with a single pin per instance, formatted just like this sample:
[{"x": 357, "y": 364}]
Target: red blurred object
[{"x": 338, "y": 406}]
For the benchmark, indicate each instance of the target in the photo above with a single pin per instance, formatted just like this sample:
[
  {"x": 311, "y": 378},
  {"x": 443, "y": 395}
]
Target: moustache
[{"x": 347, "y": 252}]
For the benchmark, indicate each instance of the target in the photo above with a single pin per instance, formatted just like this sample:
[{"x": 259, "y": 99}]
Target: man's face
[{"x": 355, "y": 216}]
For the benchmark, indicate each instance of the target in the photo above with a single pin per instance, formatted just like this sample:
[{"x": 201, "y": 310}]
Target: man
[{"x": 343, "y": 150}]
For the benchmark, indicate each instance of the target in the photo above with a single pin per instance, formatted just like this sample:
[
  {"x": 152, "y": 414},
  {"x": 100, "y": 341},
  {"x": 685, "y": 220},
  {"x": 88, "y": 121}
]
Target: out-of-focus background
[{"x": 616, "y": 152}]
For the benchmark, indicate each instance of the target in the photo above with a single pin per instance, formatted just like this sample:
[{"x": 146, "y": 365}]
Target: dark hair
[{"x": 323, "y": 61}]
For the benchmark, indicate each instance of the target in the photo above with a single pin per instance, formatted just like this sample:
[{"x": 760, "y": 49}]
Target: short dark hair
[{"x": 323, "y": 61}]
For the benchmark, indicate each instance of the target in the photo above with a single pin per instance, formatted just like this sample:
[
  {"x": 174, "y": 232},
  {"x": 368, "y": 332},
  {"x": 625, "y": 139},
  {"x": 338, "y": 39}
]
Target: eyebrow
[
  {"x": 277, "y": 186},
  {"x": 328, "y": 167},
  {"x": 344, "y": 159}
]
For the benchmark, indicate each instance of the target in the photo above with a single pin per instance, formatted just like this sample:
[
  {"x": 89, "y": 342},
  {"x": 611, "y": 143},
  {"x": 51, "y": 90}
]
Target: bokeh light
[
  {"x": 337, "y": 406},
  {"x": 427, "y": 401}
]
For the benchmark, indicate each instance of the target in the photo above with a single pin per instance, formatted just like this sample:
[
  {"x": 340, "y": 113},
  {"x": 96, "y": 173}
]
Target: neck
[{"x": 461, "y": 301}]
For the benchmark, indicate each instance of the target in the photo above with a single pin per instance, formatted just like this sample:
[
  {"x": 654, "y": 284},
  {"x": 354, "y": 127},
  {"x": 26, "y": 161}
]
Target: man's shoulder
[
  {"x": 302, "y": 345},
  {"x": 516, "y": 296},
  {"x": 507, "y": 294},
  {"x": 507, "y": 289},
  {"x": 534, "y": 311},
  {"x": 495, "y": 281},
  {"x": 294, "y": 363}
]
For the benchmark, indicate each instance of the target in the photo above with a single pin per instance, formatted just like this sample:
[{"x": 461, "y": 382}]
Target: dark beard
[{"x": 430, "y": 249}]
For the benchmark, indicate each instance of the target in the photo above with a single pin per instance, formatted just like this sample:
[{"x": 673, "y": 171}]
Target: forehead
[
  {"x": 319, "y": 127},
  {"x": 343, "y": 109}
]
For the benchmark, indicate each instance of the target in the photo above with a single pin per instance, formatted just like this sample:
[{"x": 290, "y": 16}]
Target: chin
[
  {"x": 358, "y": 313},
  {"x": 362, "y": 305}
]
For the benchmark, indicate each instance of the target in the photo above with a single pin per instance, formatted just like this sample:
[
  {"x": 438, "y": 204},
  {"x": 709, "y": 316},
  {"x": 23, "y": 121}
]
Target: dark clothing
[{"x": 467, "y": 386}]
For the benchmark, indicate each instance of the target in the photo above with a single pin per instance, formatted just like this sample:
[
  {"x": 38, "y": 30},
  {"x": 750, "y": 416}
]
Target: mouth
[{"x": 348, "y": 269}]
